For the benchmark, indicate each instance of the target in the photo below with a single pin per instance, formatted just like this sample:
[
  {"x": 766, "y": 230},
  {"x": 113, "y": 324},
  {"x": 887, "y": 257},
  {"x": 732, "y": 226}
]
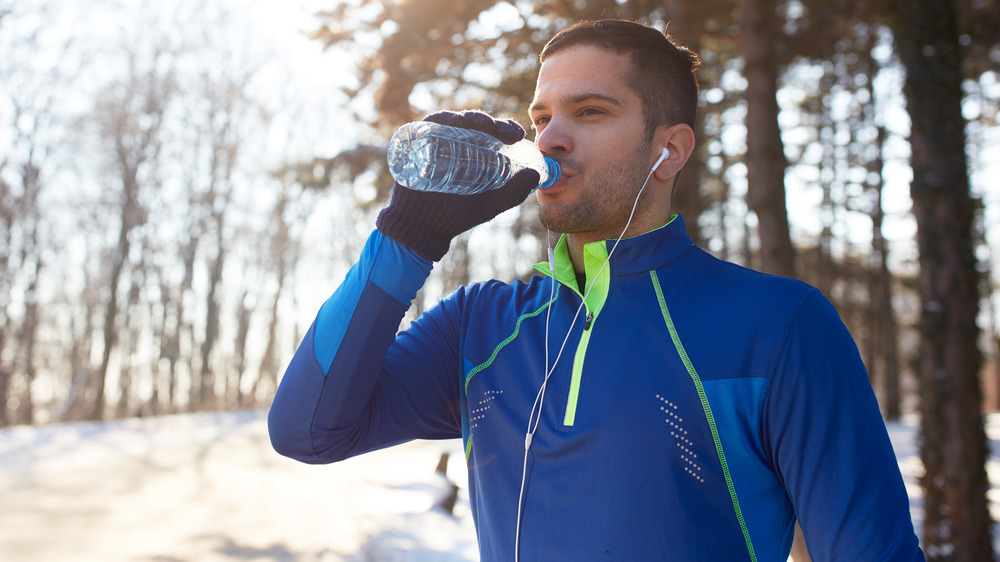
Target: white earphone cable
[{"x": 535, "y": 415}]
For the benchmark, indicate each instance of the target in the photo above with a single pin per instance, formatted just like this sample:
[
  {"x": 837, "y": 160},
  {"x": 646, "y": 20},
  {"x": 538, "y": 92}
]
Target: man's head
[
  {"x": 610, "y": 99},
  {"x": 662, "y": 72}
]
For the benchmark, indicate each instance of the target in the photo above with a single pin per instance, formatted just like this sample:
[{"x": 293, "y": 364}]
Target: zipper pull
[{"x": 590, "y": 319}]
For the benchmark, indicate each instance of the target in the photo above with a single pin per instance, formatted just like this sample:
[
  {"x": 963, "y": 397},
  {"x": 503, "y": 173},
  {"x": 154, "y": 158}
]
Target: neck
[{"x": 575, "y": 244}]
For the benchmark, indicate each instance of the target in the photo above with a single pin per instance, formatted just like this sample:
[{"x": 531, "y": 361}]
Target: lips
[
  {"x": 567, "y": 171},
  {"x": 559, "y": 185}
]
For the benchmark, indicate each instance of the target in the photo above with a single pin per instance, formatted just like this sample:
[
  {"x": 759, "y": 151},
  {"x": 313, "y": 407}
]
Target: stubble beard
[{"x": 607, "y": 205}]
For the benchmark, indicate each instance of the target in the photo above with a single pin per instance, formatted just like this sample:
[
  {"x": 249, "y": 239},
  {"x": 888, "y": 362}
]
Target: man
[{"x": 640, "y": 400}]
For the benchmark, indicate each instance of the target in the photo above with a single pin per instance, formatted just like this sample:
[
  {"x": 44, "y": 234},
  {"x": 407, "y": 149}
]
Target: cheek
[
  {"x": 619, "y": 145},
  {"x": 611, "y": 156},
  {"x": 622, "y": 175}
]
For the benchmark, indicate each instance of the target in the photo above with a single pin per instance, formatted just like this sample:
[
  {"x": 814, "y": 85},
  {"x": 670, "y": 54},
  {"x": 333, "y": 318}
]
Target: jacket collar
[{"x": 652, "y": 250}]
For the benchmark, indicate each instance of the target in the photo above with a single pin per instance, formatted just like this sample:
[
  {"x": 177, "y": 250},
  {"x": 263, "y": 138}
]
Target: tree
[
  {"x": 765, "y": 157},
  {"x": 228, "y": 110},
  {"x": 130, "y": 114},
  {"x": 282, "y": 251},
  {"x": 956, "y": 521},
  {"x": 34, "y": 63},
  {"x": 109, "y": 285}
]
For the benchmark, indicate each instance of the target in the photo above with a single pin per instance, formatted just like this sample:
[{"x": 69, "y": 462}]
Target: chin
[{"x": 561, "y": 224}]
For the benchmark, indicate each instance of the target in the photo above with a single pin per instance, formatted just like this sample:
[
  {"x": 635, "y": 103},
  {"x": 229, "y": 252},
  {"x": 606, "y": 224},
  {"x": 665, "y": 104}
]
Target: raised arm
[{"x": 353, "y": 385}]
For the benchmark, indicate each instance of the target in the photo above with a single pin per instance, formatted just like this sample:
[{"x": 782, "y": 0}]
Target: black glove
[{"x": 426, "y": 222}]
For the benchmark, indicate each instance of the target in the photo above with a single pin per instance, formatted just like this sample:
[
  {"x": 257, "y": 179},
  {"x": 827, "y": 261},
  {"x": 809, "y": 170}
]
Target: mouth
[
  {"x": 567, "y": 166},
  {"x": 567, "y": 171},
  {"x": 557, "y": 187}
]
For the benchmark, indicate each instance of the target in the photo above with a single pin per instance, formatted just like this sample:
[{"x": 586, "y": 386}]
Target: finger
[
  {"x": 469, "y": 119},
  {"x": 508, "y": 131}
]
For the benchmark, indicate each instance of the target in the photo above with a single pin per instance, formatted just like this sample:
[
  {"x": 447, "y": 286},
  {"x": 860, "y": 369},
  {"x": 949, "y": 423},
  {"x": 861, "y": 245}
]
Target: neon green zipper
[{"x": 598, "y": 282}]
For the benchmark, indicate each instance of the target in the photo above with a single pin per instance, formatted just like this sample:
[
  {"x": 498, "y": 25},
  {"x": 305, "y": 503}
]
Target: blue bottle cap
[{"x": 554, "y": 172}]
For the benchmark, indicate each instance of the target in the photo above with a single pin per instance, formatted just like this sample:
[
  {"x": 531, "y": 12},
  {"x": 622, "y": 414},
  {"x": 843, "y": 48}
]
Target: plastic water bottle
[{"x": 427, "y": 156}]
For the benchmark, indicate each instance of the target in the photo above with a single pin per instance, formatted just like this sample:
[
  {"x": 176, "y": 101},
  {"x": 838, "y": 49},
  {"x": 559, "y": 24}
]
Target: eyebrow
[{"x": 579, "y": 98}]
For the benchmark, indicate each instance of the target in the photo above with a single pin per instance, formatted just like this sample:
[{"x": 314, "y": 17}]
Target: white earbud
[{"x": 663, "y": 156}]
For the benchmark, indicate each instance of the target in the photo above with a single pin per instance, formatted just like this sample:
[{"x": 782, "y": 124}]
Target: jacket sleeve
[
  {"x": 828, "y": 442},
  {"x": 353, "y": 386}
]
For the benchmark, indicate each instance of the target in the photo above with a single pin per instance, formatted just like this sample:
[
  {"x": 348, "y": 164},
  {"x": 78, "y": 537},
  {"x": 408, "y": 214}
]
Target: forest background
[{"x": 183, "y": 184}]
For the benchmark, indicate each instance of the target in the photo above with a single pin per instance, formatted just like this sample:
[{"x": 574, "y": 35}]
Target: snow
[{"x": 208, "y": 487}]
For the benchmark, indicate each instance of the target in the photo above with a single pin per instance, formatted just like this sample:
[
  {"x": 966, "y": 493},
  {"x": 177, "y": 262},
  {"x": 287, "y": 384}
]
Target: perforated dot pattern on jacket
[
  {"x": 682, "y": 443},
  {"x": 478, "y": 413}
]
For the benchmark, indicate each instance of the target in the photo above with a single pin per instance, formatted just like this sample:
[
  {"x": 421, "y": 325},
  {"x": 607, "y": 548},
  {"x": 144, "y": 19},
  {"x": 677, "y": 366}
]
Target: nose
[{"x": 554, "y": 138}]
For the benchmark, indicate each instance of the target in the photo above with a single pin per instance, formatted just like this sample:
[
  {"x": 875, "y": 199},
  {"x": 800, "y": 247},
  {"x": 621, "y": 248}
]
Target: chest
[{"x": 619, "y": 382}]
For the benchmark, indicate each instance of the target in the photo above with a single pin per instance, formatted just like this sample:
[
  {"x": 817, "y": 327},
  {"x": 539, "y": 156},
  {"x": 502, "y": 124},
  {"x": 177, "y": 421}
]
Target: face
[{"x": 589, "y": 121}]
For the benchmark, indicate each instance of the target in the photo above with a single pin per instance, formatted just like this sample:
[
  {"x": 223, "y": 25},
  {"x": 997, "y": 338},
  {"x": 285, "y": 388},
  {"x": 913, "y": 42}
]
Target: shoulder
[
  {"x": 751, "y": 277},
  {"x": 495, "y": 296},
  {"x": 494, "y": 288},
  {"x": 723, "y": 285}
]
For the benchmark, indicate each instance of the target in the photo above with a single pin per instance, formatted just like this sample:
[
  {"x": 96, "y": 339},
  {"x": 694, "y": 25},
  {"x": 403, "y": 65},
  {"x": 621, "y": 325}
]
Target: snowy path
[{"x": 209, "y": 487}]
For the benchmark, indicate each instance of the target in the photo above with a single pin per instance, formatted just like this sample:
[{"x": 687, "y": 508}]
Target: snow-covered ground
[{"x": 208, "y": 487}]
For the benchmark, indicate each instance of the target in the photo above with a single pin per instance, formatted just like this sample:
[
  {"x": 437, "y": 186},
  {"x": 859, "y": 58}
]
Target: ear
[{"x": 679, "y": 140}]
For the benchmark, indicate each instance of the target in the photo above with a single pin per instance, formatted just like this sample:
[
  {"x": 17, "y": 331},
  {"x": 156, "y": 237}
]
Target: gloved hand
[{"x": 426, "y": 222}]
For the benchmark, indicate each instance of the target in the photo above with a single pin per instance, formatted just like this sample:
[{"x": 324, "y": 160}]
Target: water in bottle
[{"x": 427, "y": 156}]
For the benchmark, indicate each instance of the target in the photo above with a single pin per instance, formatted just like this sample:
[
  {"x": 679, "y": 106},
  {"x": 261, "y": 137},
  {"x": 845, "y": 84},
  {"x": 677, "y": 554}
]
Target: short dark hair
[{"x": 662, "y": 74}]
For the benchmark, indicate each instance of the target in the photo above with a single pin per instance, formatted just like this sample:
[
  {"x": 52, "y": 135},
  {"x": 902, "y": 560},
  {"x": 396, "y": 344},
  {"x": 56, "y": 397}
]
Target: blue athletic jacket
[{"x": 696, "y": 410}]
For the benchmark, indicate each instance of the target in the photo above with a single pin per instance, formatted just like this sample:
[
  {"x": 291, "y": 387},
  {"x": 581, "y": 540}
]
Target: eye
[
  {"x": 540, "y": 121},
  {"x": 591, "y": 111}
]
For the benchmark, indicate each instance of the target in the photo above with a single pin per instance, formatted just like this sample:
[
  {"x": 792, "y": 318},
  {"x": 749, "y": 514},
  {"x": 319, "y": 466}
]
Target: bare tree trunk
[
  {"x": 5, "y": 372},
  {"x": 7, "y": 217},
  {"x": 159, "y": 325},
  {"x": 110, "y": 331},
  {"x": 883, "y": 324},
  {"x": 281, "y": 243},
  {"x": 74, "y": 405},
  {"x": 765, "y": 153},
  {"x": 206, "y": 393},
  {"x": 131, "y": 214},
  {"x": 883, "y": 328},
  {"x": 993, "y": 352},
  {"x": 883, "y": 349},
  {"x": 29, "y": 337},
  {"x": 267, "y": 361},
  {"x": 130, "y": 345},
  {"x": 243, "y": 318},
  {"x": 181, "y": 325},
  {"x": 824, "y": 275},
  {"x": 956, "y": 520},
  {"x": 31, "y": 267},
  {"x": 687, "y": 199},
  {"x": 746, "y": 249}
]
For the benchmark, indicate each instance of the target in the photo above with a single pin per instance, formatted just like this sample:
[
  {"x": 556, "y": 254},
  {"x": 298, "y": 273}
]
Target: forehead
[{"x": 582, "y": 68}]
